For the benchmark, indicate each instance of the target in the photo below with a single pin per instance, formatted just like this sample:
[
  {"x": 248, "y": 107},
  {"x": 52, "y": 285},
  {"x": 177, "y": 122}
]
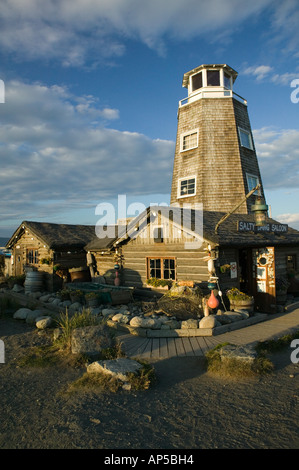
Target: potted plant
[
  {"x": 240, "y": 300},
  {"x": 76, "y": 295},
  {"x": 92, "y": 299},
  {"x": 64, "y": 294},
  {"x": 159, "y": 283}
]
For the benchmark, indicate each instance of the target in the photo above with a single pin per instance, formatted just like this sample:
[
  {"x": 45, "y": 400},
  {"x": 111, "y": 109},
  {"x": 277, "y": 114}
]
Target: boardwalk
[{"x": 162, "y": 348}]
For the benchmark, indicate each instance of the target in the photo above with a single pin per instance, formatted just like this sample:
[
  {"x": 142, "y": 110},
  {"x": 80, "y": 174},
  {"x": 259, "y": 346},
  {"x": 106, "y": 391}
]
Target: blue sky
[{"x": 92, "y": 90}]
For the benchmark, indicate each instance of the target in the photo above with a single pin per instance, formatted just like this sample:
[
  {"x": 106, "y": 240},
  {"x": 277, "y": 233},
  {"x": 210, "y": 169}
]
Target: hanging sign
[{"x": 244, "y": 226}]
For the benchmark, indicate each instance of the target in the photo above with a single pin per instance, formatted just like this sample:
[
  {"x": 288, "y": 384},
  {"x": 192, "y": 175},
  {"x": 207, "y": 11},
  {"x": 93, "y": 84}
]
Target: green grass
[
  {"x": 101, "y": 382},
  {"x": 276, "y": 345},
  {"x": 67, "y": 323},
  {"x": 235, "y": 368}
]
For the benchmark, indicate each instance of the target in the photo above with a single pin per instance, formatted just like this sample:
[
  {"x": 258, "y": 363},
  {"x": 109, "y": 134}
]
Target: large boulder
[
  {"x": 209, "y": 322},
  {"x": 21, "y": 313},
  {"x": 90, "y": 340},
  {"x": 117, "y": 368}
]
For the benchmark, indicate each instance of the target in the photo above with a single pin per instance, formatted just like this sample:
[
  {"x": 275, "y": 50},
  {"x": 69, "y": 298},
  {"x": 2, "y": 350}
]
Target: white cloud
[
  {"x": 55, "y": 147},
  {"x": 260, "y": 71},
  {"x": 278, "y": 154},
  {"x": 291, "y": 219},
  {"x": 81, "y": 30}
]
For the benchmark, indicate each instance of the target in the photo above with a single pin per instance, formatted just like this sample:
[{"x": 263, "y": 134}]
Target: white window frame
[
  {"x": 248, "y": 133},
  {"x": 250, "y": 187},
  {"x": 186, "y": 134},
  {"x": 179, "y": 186}
]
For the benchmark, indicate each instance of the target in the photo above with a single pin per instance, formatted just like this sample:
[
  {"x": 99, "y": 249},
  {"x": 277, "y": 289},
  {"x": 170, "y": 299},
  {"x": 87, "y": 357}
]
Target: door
[{"x": 264, "y": 279}]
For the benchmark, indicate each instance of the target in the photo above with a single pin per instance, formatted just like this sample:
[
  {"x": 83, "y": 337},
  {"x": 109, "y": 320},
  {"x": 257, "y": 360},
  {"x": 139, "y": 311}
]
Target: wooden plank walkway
[{"x": 162, "y": 348}]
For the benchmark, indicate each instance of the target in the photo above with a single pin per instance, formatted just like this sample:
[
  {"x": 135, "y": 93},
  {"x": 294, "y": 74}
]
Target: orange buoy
[{"x": 213, "y": 302}]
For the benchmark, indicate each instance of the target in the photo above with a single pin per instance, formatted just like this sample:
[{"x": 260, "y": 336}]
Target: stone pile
[{"x": 34, "y": 317}]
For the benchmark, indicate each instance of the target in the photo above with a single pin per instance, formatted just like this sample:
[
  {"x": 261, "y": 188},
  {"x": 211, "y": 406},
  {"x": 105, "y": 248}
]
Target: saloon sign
[{"x": 271, "y": 227}]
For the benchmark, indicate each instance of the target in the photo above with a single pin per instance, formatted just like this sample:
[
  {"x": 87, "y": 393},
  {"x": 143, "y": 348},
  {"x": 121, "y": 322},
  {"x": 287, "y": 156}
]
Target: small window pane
[
  {"x": 189, "y": 141},
  {"x": 197, "y": 81},
  {"x": 252, "y": 182},
  {"x": 213, "y": 78},
  {"x": 245, "y": 139},
  {"x": 187, "y": 187},
  {"x": 227, "y": 81}
]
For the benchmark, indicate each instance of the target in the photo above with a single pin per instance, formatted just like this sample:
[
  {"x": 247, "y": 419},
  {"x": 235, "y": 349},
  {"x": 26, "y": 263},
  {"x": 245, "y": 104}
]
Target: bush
[{"x": 68, "y": 323}]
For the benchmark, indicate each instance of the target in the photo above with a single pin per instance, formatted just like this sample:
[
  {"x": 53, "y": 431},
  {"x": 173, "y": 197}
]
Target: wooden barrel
[{"x": 34, "y": 282}]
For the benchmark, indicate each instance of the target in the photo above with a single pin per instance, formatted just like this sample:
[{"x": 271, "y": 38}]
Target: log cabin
[
  {"x": 50, "y": 248},
  {"x": 175, "y": 244}
]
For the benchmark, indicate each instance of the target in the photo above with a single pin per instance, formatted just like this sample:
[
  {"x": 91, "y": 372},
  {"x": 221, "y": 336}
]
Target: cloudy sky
[{"x": 92, "y": 90}]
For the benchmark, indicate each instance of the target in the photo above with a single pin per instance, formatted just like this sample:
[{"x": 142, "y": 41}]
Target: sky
[{"x": 89, "y": 93}]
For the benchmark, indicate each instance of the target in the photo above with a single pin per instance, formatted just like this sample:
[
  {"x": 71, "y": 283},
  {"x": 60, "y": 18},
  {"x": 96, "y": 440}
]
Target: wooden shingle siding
[{"x": 219, "y": 162}]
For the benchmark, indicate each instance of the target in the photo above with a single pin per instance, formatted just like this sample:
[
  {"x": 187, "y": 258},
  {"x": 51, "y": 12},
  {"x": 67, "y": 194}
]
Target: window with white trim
[
  {"x": 187, "y": 187},
  {"x": 189, "y": 140},
  {"x": 245, "y": 139},
  {"x": 252, "y": 182},
  {"x": 161, "y": 268}
]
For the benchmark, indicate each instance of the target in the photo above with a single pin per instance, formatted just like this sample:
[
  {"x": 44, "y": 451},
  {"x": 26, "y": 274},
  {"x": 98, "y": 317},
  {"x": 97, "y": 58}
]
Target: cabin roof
[
  {"x": 203, "y": 225},
  {"x": 55, "y": 236}
]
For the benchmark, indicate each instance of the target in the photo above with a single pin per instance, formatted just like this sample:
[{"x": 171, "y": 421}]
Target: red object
[{"x": 213, "y": 302}]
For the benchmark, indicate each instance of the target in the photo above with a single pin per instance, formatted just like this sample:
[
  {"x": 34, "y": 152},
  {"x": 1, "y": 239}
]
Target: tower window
[
  {"x": 187, "y": 187},
  {"x": 227, "y": 83},
  {"x": 245, "y": 139},
  {"x": 197, "y": 81},
  {"x": 213, "y": 78},
  {"x": 189, "y": 141},
  {"x": 252, "y": 182}
]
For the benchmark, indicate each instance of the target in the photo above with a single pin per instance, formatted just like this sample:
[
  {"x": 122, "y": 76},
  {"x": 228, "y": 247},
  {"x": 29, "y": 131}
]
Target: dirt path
[{"x": 186, "y": 409}]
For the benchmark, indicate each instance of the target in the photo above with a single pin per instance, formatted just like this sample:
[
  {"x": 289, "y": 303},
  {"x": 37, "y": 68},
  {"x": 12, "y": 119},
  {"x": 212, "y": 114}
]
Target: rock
[
  {"x": 234, "y": 316},
  {"x": 108, "y": 311},
  {"x": 32, "y": 316},
  {"x": 188, "y": 324},
  {"x": 172, "y": 324},
  {"x": 76, "y": 307},
  {"x": 45, "y": 298},
  {"x": 136, "y": 322},
  {"x": 118, "y": 368},
  {"x": 223, "y": 319},
  {"x": 43, "y": 322},
  {"x": 120, "y": 318},
  {"x": 22, "y": 313},
  {"x": 90, "y": 340},
  {"x": 243, "y": 313},
  {"x": 56, "y": 302},
  {"x": 140, "y": 322},
  {"x": 209, "y": 322},
  {"x": 241, "y": 353},
  {"x": 18, "y": 288},
  {"x": 66, "y": 303}
]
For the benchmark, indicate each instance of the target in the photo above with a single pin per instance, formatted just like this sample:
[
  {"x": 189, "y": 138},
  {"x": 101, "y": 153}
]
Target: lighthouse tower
[{"x": 215, "y": 160}]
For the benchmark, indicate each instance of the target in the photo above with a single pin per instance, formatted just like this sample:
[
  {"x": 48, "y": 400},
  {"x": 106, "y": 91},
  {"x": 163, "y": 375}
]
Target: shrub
[{"x": 68, "y": 323}]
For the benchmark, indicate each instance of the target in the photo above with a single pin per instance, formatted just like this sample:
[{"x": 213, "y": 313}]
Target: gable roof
[
  {"x": 56, "y": 236},
  {"x": 202, "y": 225}
]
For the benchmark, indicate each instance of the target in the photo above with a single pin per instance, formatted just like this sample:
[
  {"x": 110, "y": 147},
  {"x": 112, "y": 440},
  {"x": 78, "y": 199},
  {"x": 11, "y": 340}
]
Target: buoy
[{"x": 213, "y": 302}]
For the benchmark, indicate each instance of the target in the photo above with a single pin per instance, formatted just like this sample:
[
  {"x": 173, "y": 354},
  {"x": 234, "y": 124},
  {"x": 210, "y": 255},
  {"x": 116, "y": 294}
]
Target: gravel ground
[{"x": 187, "y": 409}]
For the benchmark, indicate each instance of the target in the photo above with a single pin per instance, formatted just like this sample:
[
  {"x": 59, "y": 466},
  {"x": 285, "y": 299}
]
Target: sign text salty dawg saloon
[{"x": 244, "y": 226}]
